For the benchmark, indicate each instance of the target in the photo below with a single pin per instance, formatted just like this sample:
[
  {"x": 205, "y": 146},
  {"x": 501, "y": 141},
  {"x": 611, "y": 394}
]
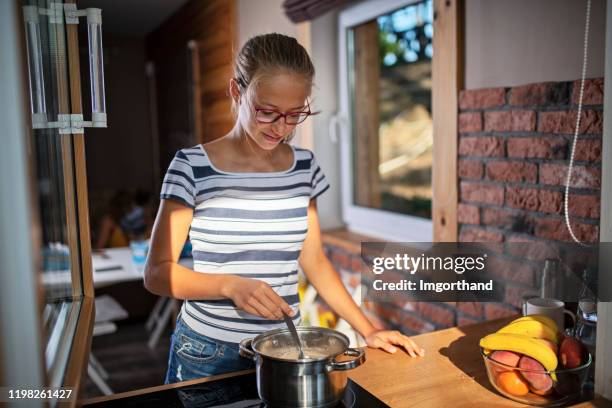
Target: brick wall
[{"x": 514, "y": 146}]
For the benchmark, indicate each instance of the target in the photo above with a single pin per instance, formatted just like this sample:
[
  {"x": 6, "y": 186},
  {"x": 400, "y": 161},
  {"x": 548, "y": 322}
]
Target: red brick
[
  {"x": 482, "y": 98},
  {"x": 479, "y": 235},
  {"x": 388, "y": 313},
  {"x": 466, "y": 321},
  {"x": 532, "y": 94},
  {"x": 588, "y": 150},
  {"x": 494, "y": 217},
  {"x": 470, "y": 122},
  {"x": 439, "y": 315},
  {"x": 591, "y": 122},
  {"x": 512, "y": 171},
  {"x": 511, "y": 271},
  {"x": 530, "y": 248},
  {"x": 533, "y": 199},
  {"x": 508, "y": 121},
  {"x": 514, "y": 295},
  {"x": 593, "y": 91},
  {"x": 482, "y": 193},
  {"x": 471, "y": 308},
  {"x": 497, "y": 310},
  {"x": 582, "y": 177},
  {"x": 468, "y": 214},
  {"x": 414, "y": 323},
  {"x": 481, "y": 146},
  {"x": 470, "y": 169},
  {"x": 341, "y": 259},
  {"x": 523, "y": 198},
  {"x": 356, "y": 263},
  {"x": 555, "y": 228},
  {"x": 584, "y": 205},
  {"x": 537, "y": 147},
  {"x": 550, "y": 201},
  {"x": 410, "y": 306}
]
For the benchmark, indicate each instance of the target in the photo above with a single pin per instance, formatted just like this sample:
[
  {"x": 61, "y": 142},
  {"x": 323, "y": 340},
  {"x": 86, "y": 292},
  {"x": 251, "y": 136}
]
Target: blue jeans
[{"x": 193, "y": 355}]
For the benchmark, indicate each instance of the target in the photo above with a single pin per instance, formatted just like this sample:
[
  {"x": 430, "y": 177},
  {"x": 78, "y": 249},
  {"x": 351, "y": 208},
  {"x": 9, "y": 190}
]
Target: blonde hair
[{"x": 267, "y": 54}]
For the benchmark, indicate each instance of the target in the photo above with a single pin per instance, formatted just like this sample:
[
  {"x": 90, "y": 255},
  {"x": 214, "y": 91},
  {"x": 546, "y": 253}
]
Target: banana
[
  {"x": 520, "y": 343},
  {"x": 538, "y": 318},
  {"x": 531, "y": 328}
]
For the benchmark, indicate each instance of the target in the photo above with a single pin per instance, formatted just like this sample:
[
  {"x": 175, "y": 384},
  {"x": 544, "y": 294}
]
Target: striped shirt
[{"x": 247, "y": 224}]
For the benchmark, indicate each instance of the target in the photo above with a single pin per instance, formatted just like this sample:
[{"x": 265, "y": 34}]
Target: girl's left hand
[{"x": 385, "y": 339}]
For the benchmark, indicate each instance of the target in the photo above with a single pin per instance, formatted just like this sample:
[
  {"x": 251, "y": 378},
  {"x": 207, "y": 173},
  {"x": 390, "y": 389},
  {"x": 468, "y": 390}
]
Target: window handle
[{"x": 335, "y": 121}]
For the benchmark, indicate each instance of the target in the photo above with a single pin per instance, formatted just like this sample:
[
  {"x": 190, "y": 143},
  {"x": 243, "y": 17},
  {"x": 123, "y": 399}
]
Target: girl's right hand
[{"x": 257, "y": 297}]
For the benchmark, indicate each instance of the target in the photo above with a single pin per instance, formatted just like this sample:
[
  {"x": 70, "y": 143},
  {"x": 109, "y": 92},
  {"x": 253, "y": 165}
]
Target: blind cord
[{"x": 578, "y": 117}]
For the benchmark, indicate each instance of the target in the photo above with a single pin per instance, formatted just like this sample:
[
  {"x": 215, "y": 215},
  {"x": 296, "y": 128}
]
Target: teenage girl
[{"x": 248, "y": 202}]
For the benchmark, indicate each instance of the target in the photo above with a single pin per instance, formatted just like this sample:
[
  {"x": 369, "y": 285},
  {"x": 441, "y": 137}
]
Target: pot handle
[
  {"x": 246, "y": 349},
  {"x": 359, "y": 359}
]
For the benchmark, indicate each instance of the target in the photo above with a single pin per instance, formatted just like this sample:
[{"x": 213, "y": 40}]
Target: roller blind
[{"x": 304, "y": 10}]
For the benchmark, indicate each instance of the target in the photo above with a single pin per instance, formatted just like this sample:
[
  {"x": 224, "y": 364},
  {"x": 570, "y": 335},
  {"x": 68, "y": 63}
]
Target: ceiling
[{"x": 132, "y": 18}]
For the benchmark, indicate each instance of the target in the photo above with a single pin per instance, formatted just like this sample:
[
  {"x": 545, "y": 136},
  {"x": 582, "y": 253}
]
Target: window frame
[
  {"x": 370, "y": 221},
  {"x": 24, "y": 362}
]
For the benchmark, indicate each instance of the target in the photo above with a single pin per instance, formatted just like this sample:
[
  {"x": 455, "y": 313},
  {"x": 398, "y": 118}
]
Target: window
[
  {"x": 386, "y": 52},
  {"x": 59, "y": 245}
]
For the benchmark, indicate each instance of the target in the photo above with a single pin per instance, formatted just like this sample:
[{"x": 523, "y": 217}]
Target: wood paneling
[
  {"x": 367, "y": 116},
  {"x": 447, "y": 81},
  {"x": 212, "y": 25}
]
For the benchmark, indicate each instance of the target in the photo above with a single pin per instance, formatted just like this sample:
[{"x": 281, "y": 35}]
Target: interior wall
[
  {"x": 509, "y": 43},
  {"x": 324, "y": 31},
  {"x": 120, "y": 156},
  {"x": 211, "y": 26},
  {"x": 260, "y": 17}
]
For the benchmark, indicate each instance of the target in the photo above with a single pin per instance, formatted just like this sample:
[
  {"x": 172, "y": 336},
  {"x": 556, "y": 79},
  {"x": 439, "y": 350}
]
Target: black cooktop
[{"x": 238, "y": 391}]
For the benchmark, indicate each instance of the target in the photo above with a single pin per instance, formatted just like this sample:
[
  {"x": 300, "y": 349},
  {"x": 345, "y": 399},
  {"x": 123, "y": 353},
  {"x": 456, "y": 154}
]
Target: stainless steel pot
[{"x": 318, "y": 380}]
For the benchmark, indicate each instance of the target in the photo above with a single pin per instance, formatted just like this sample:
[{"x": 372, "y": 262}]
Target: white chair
[
  {"x": 159, "y": 318},
  {"x": 108, "y": 311}
]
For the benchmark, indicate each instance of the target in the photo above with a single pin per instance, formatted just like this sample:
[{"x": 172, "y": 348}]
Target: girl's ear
[{"x": 234, "y": 90}]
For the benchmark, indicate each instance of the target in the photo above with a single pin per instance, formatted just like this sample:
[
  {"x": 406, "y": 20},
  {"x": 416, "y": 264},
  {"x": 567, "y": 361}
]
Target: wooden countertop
[{"x": 451, "y": 374}]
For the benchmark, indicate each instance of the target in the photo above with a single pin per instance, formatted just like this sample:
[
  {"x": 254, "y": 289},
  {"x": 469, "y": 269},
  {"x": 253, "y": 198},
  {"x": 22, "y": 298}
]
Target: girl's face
[{"x": 285, "y": 93}]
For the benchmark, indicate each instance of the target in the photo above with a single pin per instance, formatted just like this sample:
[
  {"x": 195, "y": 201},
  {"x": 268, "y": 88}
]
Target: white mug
[{"x": 553, "y": 308}]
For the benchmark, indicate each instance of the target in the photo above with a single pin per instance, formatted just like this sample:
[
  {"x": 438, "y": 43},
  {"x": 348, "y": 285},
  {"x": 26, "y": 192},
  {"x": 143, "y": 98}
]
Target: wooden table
[{"x": 452, "y": 373}]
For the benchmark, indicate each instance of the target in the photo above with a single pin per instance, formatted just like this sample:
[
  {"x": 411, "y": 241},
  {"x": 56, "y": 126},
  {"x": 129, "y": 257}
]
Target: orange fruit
[{"x": 512, "y": 383}]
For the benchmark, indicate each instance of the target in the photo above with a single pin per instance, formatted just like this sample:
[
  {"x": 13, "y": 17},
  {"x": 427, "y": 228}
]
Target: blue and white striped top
[{"x": 247, "y": 224}]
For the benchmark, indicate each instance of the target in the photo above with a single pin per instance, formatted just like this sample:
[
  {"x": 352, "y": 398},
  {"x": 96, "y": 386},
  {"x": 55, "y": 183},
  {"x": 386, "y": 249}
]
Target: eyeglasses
[{"x": 267, "y": 116}]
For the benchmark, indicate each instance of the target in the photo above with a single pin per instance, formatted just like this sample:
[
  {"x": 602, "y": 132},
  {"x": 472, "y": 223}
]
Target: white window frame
[{"x": 369, "y": 221}]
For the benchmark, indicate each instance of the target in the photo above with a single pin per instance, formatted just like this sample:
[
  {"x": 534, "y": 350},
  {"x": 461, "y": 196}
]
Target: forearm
[
  {"x": 329, "y": 285},
  {"x": 174, "y": 280}
]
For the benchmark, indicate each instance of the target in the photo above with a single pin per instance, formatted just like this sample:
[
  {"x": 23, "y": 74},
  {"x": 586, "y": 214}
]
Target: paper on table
[{"x": 101, "y": 263}]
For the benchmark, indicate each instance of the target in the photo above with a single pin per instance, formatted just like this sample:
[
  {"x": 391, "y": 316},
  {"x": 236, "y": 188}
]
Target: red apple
[{"x": 570, "y": 352}]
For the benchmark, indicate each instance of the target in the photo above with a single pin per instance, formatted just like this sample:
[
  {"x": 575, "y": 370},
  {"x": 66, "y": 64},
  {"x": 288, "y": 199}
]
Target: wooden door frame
[{"x": 447, "y": 78}]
